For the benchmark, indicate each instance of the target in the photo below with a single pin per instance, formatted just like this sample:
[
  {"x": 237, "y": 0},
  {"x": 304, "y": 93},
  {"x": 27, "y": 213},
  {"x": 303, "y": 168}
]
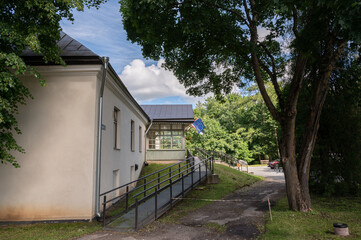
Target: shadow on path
[{"x": 242, "y": 214}]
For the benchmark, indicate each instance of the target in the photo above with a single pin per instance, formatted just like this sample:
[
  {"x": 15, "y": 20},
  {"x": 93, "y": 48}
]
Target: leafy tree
[
  {"x": 238, "y": 125},
  {"x": 213, "y": 44},
  {"x": 337, "y": 155},
  {"x": 32, "y": 24}
]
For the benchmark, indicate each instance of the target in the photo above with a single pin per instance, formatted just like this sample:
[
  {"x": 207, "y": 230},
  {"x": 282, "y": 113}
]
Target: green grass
[
  {"x": 317, "y": 224},
  {"x": 258, "y": 165},
  {"x": 51, "y": 231},
  {"x": 230, "y": 180},
  {"x": 215, "y": 226}
]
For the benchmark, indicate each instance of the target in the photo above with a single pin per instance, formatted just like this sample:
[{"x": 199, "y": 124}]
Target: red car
[{"x": 274, "y": 164}]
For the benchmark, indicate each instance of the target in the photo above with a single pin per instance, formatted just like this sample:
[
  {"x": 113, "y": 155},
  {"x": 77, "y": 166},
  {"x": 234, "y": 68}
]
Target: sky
[{"x": 102, "y": 32}]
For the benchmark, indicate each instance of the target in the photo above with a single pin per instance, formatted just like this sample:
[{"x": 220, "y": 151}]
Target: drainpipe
[
  {"x": 145, "y": 142},
  {"x": 99, "y": 143}
]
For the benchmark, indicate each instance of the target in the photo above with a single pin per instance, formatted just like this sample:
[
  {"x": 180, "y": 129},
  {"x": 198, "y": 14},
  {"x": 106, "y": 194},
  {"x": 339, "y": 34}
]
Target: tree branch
[
  {"x": 273, "y": 75},
  {"x": 247, "y": 11},
  {"x": 319, "y": 96},
  {"x": 296, "y": 85},
  {"x": 295, "y": 21},
  {"x": 234, "y": 11},
  {"x": 256, "y": 62}
]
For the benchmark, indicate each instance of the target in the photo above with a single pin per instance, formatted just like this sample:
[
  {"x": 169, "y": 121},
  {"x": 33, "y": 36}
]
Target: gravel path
[{"x": 241, "y": 213}]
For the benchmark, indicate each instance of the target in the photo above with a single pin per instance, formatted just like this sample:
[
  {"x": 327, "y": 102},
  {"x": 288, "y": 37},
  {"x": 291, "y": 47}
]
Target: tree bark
[
  {"x": 319, "y": 96},
  {"x": 295, "y": 194}
]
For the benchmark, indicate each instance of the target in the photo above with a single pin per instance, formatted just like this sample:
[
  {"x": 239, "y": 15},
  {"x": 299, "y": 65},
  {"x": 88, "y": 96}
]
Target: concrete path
[{"x": 242, "y": 214}]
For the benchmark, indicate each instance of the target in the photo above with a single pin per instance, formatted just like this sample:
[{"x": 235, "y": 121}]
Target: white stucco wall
[
  {"x": 122, "y": 159},
  {"x": 56, "y": 178}
]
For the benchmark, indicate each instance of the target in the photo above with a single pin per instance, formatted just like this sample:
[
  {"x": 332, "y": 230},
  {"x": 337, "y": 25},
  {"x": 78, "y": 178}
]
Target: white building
[{"x": 58, "y": 176}]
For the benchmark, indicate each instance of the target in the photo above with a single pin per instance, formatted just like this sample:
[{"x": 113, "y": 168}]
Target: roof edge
[{"x": 124, "y": 88}]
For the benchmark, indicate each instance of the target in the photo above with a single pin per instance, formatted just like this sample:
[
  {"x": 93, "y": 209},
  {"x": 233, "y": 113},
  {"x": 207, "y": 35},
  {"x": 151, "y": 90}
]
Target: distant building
[{"x": 165, "y": 139}]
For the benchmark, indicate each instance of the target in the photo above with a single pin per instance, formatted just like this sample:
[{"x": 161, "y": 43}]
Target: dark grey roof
[
  {"x": 72, "y": 52},
  {"x": 170, "y": 112}
]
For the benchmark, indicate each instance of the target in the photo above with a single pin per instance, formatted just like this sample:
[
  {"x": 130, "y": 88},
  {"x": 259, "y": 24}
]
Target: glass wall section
[{"x": 166, "y": 136}]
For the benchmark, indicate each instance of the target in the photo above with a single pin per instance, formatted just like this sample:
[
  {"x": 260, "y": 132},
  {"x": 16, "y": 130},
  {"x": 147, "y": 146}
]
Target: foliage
[
  {"x": 32, "y": 24},
  {"x": 237, "y": 125},
  {"x": 337, "y": 155},
  {"x": 213, "y": 45},
  {"x": 317, "y": 224}
]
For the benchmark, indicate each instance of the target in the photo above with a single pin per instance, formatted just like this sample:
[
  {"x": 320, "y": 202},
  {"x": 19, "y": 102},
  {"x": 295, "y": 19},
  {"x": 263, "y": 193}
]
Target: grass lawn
[
  {"x": 317, "y": 224},
  {"x": 230, "y": 180},
  {"x": 51, "y": 231}
]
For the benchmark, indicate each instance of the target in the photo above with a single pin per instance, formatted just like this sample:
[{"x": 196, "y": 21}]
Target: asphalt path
[{"x": 241, "y": 213}]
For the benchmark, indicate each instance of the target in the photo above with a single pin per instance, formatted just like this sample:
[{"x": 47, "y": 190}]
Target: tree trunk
[
  {"x": 330, "y": 58},
  {"x": 297, "y": 196}
]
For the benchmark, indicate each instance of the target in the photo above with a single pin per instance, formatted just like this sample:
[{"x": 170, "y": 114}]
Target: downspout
[
  {"x": 145, "y": 142},
  {"x": 99, "y": 142}
]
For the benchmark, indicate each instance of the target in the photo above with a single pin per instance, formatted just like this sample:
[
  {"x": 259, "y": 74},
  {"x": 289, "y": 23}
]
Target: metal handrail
[
  {"x": 229, "y": 159},
  {"x": 139, "y": 179},
  {"x": 174, "y": 176}
]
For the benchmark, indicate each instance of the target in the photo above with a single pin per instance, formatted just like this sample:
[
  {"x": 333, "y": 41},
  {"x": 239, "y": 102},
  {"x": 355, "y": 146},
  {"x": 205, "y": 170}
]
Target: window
[
  {"x": 132, "y": 135},
  {"x": 140, "y": 138},
  {"x": 116, "y": 117},
  {"x": 166, "y": 137}
]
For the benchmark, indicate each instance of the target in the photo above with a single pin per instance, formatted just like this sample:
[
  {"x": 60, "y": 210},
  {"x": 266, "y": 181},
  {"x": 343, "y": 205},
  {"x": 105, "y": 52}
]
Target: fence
[
  {"x": 157, "y": 182},
  {"x": 229, "y": 159}
]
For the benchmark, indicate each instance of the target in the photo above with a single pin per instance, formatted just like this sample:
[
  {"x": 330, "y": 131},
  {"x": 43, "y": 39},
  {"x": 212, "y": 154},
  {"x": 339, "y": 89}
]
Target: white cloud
[{"x": 147, "y": 83}]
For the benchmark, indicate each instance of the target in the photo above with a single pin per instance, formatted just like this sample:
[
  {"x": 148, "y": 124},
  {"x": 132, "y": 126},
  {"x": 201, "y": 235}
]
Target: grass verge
[
  {"x": 258, "y": 165},
  {"x": 230, "y": 180},
  {"x": 317, "y": 224},
  {"x": 51, "y": 231}
]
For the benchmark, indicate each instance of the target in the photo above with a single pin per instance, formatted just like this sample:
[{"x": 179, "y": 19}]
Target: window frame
[
  {"x": 132, "y": 135},
  {"x": 158, "y": 135},
  {"x": 140, "y": 138},
  {"x": 116, "y": 122}
]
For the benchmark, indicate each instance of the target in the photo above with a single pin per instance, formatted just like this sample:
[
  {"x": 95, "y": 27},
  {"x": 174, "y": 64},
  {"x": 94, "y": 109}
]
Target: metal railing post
[
  {"x": 182, "y": 185},
  {"x": 171, "y": 193},
  {"x": 158, "y": 179},
  {"x": 170, "y": 174},
  {"x": 104, "y": 208},
  {"x": 145, "y": 187},
  {"x": 200, "y": 174},
  {"x": 136, "y": 214},
  {"x": 212, "y": 165},
  {"x": 192, "y": 177},
  {"x": 155, "y": 203},
  {"x": 207, "y": 168},
  {"x": 127, "y": 199},
  {"x": 179, "y": 169}
]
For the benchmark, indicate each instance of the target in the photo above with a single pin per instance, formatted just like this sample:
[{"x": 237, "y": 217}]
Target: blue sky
[{"x": 102, "y": 32}]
